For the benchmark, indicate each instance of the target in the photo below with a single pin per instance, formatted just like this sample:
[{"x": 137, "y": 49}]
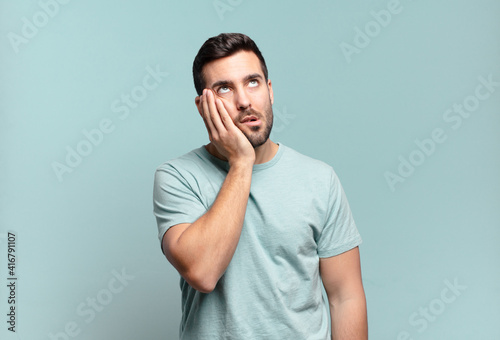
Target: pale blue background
[{"x": 441, "y": 224}]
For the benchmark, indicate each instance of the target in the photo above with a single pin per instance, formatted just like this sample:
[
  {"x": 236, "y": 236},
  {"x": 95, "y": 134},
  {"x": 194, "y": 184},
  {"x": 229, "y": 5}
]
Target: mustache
[{"x": 249, "y": 112}]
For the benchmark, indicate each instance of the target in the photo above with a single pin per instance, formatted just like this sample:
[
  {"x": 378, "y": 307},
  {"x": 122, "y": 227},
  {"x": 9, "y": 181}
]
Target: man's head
[
  {"x": 232, "y": 67},
  {"x": 223, "y": 45}
]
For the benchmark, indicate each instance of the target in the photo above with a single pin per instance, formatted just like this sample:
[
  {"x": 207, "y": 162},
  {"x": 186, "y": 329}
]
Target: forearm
[
  {"x": 207, "y": 246},
  {"x": 349, "y": 319}
]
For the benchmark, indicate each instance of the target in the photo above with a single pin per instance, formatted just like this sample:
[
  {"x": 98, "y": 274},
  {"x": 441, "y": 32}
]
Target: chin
[
  {"x": 258, "y": 135},
  {"x": 257, "y": 141}
]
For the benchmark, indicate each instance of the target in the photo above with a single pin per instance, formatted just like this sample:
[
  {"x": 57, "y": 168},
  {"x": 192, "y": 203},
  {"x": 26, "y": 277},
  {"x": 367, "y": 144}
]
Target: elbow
[
  {"x": 205, "y": 289},
  {"x": 196, "y": 274},
  {"x": 200, "y": 281}
]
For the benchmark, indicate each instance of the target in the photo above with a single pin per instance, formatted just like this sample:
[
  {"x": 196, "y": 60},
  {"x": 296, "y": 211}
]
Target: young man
[{"x": 252, "y": 226}]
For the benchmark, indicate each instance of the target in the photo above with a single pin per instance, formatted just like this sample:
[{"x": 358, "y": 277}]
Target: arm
[
  {"x": 201, "y": 251},
  {"x": 341, "y": 277}
]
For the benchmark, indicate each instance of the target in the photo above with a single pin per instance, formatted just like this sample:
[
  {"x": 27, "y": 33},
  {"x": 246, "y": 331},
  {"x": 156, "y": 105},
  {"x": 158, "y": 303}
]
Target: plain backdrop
[{"x": 94, "y": 95}]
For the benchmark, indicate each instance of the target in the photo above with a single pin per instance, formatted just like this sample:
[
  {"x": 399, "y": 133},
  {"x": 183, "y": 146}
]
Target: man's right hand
[
  {"x": 201, "y": 251},
  {"x": 227, "y": 138}
]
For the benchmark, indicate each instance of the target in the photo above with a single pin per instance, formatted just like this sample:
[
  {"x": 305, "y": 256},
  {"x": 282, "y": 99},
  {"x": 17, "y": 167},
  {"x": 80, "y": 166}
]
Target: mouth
[{"x": 251, "y": 121}]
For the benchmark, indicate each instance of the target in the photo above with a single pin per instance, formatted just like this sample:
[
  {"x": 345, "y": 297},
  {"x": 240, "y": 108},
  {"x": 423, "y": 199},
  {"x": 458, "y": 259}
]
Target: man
[{"x": 252, "y": 226}]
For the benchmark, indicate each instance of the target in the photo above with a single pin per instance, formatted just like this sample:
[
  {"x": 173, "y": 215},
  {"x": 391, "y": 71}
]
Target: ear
[
  {"x": 270, "y": 87},
  {"x": 197, "y": 101}
]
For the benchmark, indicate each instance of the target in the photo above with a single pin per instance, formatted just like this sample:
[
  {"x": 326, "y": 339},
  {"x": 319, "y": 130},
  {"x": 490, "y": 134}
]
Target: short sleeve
[
  {"x": 340, "y": 233},
  {"x": 174, "y": 200}
]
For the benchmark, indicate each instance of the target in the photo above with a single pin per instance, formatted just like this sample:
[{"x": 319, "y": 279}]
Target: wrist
[{"x": 242, "y": 163}]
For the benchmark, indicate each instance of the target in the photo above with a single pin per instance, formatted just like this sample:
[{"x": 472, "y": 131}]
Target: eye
[
  {"x": 223, "y": 89},
  {"x": 253, "y": 83}
]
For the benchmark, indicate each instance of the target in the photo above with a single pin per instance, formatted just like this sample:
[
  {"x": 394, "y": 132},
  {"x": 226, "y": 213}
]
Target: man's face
[{"x": 239, "y": 82}]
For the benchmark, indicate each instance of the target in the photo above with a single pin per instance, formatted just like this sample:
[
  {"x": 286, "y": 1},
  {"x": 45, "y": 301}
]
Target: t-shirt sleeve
[
  {"x": 339, "y": 233},
  {"x": 174, "y": 200}
]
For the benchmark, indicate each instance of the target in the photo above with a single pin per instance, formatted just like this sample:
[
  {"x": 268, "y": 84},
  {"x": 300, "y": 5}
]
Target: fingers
[
  {"x": 229, "y": 141},
  {"x": 208, "y": 125},
  {"x": 225, "y": 118},
  {"x": 212, "y": 114},
  {"x": 212, "y": 131}
]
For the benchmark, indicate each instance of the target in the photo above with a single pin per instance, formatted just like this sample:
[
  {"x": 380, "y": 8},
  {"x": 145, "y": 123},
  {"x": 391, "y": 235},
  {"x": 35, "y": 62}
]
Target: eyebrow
[{"x": 227, "y": 82}]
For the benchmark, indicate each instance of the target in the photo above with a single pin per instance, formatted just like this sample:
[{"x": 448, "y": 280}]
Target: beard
[{"x": 259, "y": 134}]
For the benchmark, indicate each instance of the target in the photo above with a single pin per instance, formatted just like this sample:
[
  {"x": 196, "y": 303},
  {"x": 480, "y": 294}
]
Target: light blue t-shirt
[{"x": 297, "y": 212}]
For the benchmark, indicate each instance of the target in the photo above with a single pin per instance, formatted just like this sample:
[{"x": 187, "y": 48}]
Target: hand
[{"x": 227, "y": 138}]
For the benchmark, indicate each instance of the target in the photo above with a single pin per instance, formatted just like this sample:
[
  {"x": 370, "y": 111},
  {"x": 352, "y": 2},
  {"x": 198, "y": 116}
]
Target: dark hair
[{"x": 221, "y": 46}]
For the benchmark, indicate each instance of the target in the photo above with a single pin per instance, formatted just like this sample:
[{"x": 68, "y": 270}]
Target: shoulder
[
  {"x": 307, "y": 163},
  {"x": 190, "y": 161}
]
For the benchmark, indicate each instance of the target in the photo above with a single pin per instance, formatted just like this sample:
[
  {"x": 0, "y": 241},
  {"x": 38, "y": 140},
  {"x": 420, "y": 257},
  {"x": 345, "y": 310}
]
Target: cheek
[
  {"x": 264, "y": 103},
  {"x": 229, "y": 106},
  {"x": 263, "y": 98},
  {"x": 231, "y": 110},
  {"x": 233, "y": 118}
]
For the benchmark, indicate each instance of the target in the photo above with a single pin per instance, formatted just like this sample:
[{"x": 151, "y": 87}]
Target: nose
[{"x": 242, "y": 100}]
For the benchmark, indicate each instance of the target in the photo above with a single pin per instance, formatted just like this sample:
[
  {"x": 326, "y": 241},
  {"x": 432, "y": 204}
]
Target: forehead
[{"x": 233, "y": 68}]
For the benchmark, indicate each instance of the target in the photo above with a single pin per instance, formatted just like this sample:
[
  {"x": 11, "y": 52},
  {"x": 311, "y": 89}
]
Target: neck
[{"x": 263, "y": 153}]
